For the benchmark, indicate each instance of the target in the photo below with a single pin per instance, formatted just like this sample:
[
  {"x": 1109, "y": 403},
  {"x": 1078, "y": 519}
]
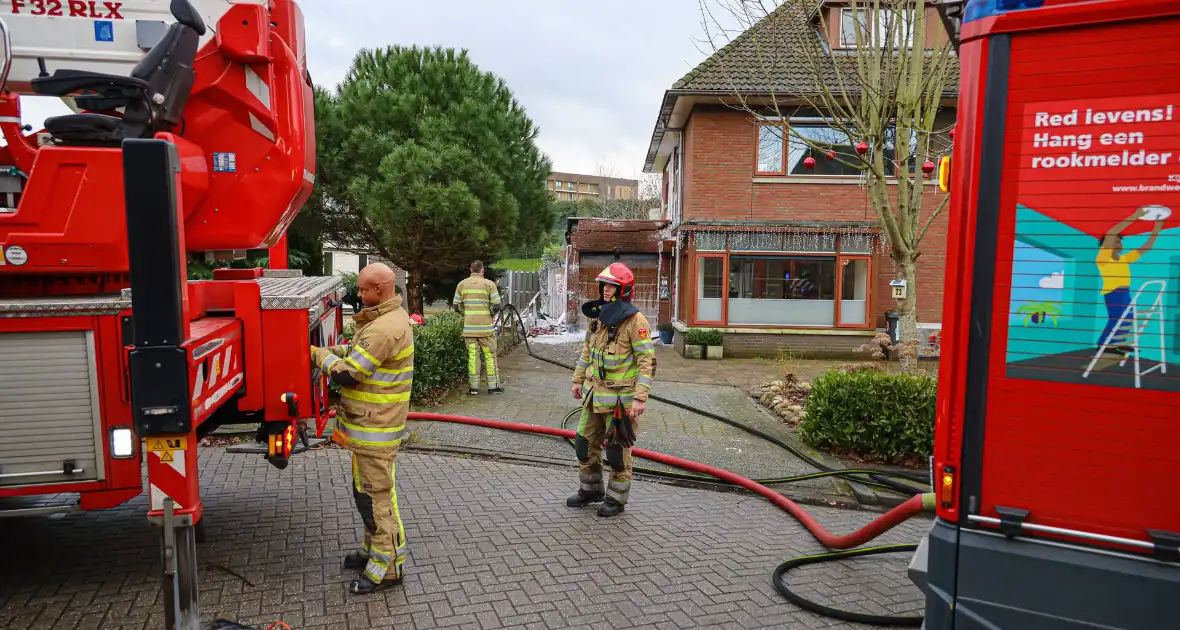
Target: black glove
[{"x": 621, "y": 432}]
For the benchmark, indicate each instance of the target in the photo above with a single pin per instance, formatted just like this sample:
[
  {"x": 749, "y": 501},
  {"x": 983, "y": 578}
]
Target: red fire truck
[
  {"x": 186, "y": 140},
  {"x": 1058, "y": 426}
]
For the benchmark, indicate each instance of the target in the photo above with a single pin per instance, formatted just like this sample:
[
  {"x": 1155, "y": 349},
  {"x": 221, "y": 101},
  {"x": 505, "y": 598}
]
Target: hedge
[
  {"x": 704, "y": 337},
  {"x": 886, "y": 417},
  {"x": 440, "y": 358}
]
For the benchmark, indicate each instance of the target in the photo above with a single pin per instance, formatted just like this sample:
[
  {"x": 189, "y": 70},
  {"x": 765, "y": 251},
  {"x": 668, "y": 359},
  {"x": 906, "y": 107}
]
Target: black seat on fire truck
[{"x": 152, "y": 98}]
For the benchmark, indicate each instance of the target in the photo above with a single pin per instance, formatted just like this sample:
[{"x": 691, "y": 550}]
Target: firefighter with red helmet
[{"x": 612, "y": 379}]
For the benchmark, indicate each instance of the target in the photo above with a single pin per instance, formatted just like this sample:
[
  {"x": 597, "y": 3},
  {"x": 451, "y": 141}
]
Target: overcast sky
[{"x": 590, "y": 73}]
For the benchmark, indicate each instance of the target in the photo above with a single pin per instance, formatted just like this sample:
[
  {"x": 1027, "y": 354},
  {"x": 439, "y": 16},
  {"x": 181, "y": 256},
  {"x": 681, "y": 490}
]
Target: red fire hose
[{"x": 914, "y": 505}]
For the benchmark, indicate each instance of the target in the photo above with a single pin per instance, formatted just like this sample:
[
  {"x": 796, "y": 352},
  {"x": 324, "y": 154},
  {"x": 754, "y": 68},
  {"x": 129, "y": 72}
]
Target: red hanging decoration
[
  {"x": 809, "y": 162},
  {"x": 928, "y": 167},
  {"x": 831, "y": 155},
  {"x": 862, "y": 148}
]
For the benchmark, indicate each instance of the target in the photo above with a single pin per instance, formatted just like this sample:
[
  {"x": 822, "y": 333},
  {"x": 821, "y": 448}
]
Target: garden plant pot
[
  {"x": 666, "y": 337},
  {"x": 714, "y": 352},
  {"x": 694, "y": 352}
]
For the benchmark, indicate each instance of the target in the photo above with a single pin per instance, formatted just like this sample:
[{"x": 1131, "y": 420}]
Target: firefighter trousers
[
  {"x": 374, "y": 490},
  {"x": 591, "y": 432},
  {"x": 484, "y": 347}
]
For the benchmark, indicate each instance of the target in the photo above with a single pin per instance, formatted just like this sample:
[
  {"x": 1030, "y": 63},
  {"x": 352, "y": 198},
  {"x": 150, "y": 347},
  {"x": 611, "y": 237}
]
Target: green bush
[
  {"x": 666, "y": 327},
  {"x": 351, "y": 297},
  {"x": 886, "y": 417},
  {"x": 440, "y": 358},
  {"x": 703, "y": 337}
]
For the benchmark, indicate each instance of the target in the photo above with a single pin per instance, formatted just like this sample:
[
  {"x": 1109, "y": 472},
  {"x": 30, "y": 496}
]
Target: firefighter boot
[
  {"x": 362, "y": 585},
  {"x": 356, "y": 560},
  {"x": 609, "y": 508},
  {"x": 584, "y": 498}
]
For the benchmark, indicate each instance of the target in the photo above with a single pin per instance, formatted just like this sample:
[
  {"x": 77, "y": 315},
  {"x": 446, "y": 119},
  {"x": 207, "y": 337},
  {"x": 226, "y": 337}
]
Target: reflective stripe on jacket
[
  {"x": 618, "y": 370},
  {"x": 381, "y": 361},
  {"x": 475, "y": 298}
]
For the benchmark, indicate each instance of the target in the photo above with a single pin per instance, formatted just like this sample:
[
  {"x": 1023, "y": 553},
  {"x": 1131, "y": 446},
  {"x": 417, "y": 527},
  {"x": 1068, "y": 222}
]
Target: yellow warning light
[
  {"x": 944, "y": 174},
  {"x": 946, "y": 494}
]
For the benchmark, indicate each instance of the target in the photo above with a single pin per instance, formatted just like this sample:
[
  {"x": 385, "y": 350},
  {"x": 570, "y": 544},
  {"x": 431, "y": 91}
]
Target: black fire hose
[{"x": 877, "y": 479}]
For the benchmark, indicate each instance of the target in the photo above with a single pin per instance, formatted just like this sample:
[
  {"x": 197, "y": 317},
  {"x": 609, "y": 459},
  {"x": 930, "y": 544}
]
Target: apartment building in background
[{"x": 574, "y": 187}]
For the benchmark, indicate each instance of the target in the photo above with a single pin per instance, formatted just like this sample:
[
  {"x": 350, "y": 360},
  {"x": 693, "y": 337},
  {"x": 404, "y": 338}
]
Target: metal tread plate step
[{"x": 279, "y": 292}]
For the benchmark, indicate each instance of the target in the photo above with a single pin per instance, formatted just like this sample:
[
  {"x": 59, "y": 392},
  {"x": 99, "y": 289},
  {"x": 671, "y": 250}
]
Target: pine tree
[{"x": 429, "y": 162}]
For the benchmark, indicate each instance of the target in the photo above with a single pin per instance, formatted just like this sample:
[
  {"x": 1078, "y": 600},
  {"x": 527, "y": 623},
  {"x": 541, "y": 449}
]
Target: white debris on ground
[
  {"x": 555, "y": 336},
  {"x": 547, "y": 331}
]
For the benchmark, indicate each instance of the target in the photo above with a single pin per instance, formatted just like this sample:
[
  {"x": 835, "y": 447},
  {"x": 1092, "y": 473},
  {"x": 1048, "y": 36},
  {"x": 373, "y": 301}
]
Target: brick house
[{"x": 771, "y": 252}]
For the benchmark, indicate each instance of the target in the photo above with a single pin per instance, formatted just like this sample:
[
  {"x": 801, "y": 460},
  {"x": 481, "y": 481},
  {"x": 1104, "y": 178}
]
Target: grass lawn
[{"x": 518, "y": 264}]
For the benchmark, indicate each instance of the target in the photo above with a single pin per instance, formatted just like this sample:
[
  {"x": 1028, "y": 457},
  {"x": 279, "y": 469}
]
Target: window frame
[
  {"x": 838, "y": 256},
  {"x": 698, "y": 260},
  {"x": 782, "y": 167},
  {"x": 842, "y": 260},
  {"x": 819, "y": 122},
  {"x": 872, "y": 29}
]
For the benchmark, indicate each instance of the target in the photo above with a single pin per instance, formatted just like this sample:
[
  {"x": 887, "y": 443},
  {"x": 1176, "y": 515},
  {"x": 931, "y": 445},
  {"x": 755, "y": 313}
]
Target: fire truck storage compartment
[
  {"x": 1073, "y": 436},
  {"x": 49, "y": 408}
]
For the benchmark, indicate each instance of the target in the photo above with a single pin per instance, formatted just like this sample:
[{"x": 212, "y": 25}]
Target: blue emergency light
[{"x": 979, "y": 9}]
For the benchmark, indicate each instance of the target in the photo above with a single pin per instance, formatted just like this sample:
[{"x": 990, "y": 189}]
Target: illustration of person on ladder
[{"x": 1114, "y": 265}]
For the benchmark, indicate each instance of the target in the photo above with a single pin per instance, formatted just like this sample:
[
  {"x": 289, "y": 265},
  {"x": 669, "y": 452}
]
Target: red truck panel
[{"x": 1092, "y": 134}]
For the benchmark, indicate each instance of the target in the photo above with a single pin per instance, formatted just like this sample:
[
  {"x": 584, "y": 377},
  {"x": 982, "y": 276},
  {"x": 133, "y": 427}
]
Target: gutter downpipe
[{"x": 678, "y": 213}]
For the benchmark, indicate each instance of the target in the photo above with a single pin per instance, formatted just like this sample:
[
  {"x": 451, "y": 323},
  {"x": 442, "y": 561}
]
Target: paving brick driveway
[
  {"x": 492, "y": 546},
  {"x": 539, "y": 393}
]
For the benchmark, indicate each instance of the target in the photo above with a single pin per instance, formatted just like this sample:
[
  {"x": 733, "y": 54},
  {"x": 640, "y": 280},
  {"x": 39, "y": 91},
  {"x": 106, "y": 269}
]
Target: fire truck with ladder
[
  {"x": 192, "y": 135},
  {"x": 1057, "y": 431}
]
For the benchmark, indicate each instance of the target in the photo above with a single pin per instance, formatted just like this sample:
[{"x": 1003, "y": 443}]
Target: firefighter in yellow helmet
[
  {"x": 477, "y": 298},
  {"x": 612, "y": 379},
  {"x": 375, "y": 373}
]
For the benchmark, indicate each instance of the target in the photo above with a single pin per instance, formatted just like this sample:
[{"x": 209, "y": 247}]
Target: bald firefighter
[
  {"x": 375, "y": 373},
  {"x": 476, "y": 298},
  {"x": 612, "y": 379}
]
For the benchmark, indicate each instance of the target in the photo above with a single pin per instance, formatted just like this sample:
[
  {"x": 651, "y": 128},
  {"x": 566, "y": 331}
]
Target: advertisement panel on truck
[{"x": 1085, "y": 345}]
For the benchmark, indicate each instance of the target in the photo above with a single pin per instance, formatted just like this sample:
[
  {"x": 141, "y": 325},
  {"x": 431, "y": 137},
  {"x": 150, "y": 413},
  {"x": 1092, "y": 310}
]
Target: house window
[
  {"x": 823, "y": 138},
  {"x": 812, "y": 137},
  {"x": 770, "y": 148},
  {"x": 710, "y": 278},
  {"x": 894, "y": 25},
  {"x": 782, "y": 290},
  {"x": 783, "y": 279},
  {"x": 854, "y": 292}
]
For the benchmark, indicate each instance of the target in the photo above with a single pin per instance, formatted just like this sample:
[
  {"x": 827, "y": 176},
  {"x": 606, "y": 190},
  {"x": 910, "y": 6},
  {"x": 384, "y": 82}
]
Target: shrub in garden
[
  {"x": 886, "y": 417},
  {"x": 440, "y": 358},
  {"x": 703, "y": 337}
]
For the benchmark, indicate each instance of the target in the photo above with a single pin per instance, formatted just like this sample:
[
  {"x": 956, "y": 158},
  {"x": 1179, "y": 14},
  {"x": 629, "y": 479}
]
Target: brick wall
[
  {"x": 767, "y": 346},
  {"x": 603, "y": 235},
  {"x": 719, "y": 186}
]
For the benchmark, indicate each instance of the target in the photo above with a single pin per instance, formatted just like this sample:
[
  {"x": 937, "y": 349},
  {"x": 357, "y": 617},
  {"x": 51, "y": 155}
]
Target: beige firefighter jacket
[
  {"x": 475, "y": 297},
  {"x": 380, "y": 360},
  {"x": 619, "y": 370}
]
